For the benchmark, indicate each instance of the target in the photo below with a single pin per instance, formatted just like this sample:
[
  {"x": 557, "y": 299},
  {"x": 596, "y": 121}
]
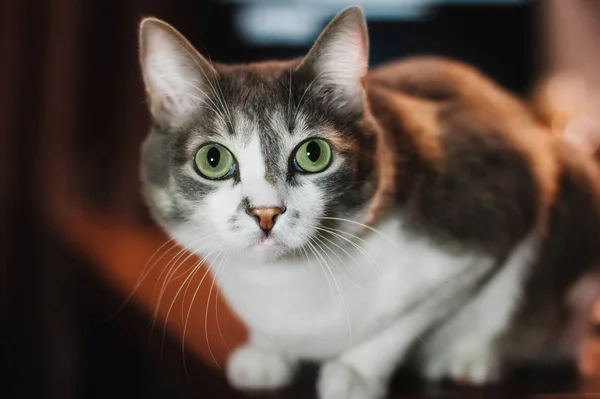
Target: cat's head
[{"x": 256, "y": 159}]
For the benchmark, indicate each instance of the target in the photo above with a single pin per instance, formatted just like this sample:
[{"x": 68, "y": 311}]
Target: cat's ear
[
  {"x": 339, "y": 59},
  {"x": 175, "y": 74}
]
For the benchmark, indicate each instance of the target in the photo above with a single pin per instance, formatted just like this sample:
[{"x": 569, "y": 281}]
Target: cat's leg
[
  {"x": 465, "y": 348},
  {"x": 258, "y": 366},
  {"x": 364, "y": 371}
]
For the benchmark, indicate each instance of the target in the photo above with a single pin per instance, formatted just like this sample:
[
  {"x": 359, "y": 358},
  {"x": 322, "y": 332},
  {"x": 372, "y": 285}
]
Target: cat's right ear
[
  {"x": 175, "y": 74},
  {"x": 339, "y": 60}
]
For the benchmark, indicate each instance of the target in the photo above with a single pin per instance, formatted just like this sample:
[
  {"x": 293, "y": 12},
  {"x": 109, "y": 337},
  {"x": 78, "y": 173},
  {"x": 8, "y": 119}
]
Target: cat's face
[{"x": 257, "y": 159}]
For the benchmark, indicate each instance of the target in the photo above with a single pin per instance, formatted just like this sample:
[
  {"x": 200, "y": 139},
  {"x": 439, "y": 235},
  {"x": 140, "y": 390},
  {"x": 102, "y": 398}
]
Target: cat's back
[
  {"x": 428, "y": 77},
  {"x": 438, "y": 87},
  {"x": 473, "y": 154}
]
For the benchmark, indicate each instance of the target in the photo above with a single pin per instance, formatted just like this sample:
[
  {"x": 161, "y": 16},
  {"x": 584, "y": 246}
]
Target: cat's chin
[{"x": 268, "y": 249}]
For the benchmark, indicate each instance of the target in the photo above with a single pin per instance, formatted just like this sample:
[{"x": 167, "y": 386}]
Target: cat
[{"x": 416, "y": 213}]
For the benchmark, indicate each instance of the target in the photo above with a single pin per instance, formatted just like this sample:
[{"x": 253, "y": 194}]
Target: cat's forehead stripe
[{"x": 256, "y": 188}]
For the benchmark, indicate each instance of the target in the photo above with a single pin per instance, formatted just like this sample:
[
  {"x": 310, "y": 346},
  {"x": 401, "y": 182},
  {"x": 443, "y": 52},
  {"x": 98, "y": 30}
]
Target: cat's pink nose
[{"x": 265, "y": 217}]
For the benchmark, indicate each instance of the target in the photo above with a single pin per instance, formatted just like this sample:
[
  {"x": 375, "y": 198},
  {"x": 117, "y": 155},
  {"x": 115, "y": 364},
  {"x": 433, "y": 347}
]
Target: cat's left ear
[
  {"x": 175, "y": 75},
  {"x": 339, "y": 59}
]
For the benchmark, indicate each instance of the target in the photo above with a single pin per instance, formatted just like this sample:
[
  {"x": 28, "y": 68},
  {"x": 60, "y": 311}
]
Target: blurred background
[{"x": 77, "y": 318}]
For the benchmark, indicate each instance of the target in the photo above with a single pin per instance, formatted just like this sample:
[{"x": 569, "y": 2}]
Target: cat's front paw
[
  {"x": 466, "y": 365},
  {"x": 340, "y": 381},
  {"x": 251, "y": 369},
  {"x": 475, "y": 366}
]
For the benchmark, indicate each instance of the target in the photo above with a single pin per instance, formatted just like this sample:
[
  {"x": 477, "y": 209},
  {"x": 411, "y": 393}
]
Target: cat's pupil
[
  {"x": 213, "y": 156},
  {"x": 313, "y": 151}
]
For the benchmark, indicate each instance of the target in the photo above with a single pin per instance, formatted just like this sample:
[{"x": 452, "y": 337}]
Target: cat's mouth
[
  {"x": 268, "y": 244},
  {"x": 268, "y": 241}
]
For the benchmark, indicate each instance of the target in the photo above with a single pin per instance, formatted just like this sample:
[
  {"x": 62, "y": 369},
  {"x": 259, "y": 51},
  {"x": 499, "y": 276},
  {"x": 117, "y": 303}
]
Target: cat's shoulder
[{"x": 481, "y": 157}]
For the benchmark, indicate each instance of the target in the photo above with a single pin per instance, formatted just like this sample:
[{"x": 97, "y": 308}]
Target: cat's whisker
[
  {"x": 363, "y": 251},
  {"x": 169, "y": 268},
  {"x": 179, "y": 254},
  {"x": 148, "y": 267},
  {"x": 354, "y": 236},
  {"x": 187, "y": 317},
  {"x": 188, "y": 279},
  {"x": 212, "y": 285},
  {"x": 345, "y": 267},
  {"x": 308, "y": 262},
  {"x": 183, "y": 274},
  {"x": 348, "y": 254},
  {"x": 185, "y": 292},
  {"x": 312, "y": 249},
  {"x": 169, "y": 263},
  {"x": 343, "y": 233},
  {"x": 339, "y": 290},
  {"x": 374, "y": 230},
  {"x": 218, "y": 285},
  {"x": 186, "y": 283},
  {"x": 175, "y": 263}
]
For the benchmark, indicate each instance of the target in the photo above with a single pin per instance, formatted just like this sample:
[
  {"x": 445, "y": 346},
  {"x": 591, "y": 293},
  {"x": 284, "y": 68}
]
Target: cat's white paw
[
  {"x": 339, "y": 381},
  {"x": 475, "y": 366},
  {"x": 466, "y": 365},
  {"x": 251, "y": 368}
]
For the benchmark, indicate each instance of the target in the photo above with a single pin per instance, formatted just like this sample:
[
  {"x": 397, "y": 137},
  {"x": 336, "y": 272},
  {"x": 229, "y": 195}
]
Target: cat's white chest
[{"x": 321, "y": 308}]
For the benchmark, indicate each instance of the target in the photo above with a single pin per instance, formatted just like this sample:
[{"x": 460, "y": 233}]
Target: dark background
[{"x": 72, "y": 115}]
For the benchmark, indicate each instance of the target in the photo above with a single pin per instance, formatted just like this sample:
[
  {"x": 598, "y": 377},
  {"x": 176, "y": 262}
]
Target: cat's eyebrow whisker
[
  {"x": 210, "y": 83},
  {"x": 289, "y": 106},
  {"x": 189, "y": 83},
  {"x": 200, "y": 99},
  {"x": 339, "y": 290},
  {"x": 221, "y": 97},
  {"x": 298, "y": 107}
]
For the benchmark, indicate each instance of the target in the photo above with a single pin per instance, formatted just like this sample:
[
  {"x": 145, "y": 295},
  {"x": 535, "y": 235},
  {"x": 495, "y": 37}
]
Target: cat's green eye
[
  {"x": 214, "y": 162},
  {"x": 312, "y": 156}
]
